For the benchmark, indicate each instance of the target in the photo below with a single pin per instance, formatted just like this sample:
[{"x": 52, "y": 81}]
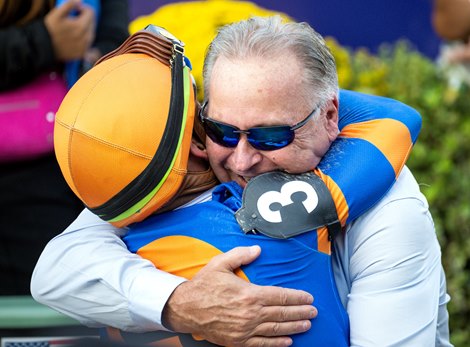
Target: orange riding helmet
[{"x": 123, "y": 132}]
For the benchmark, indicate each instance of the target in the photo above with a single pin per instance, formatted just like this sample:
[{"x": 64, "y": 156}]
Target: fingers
[
  {"x": 71, "y": 36},
  {"x": 273, "y": 329},
  {"x": 277, "y": 296},
  {"x": 229, "y": 311},
  {"x": 276, "y": 333},
  {"x": 295, "y": 313},
  {"x": 86, "y": 17},
  {"x": 233, "y": 259},
  {"x": 64, "y": 9},
  {"x": 257, "y": 341}
]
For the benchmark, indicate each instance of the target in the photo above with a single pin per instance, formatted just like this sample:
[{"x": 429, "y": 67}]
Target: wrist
[{"x": 173, "y": 311}]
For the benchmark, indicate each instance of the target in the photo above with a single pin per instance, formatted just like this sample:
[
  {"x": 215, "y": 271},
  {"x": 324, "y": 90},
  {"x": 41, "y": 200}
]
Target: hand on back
[{"x": 225, "y": 309}]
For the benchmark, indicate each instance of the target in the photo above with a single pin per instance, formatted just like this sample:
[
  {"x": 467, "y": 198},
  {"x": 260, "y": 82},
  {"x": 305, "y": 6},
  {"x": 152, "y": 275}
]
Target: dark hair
[{"x": 20, "y": 12}]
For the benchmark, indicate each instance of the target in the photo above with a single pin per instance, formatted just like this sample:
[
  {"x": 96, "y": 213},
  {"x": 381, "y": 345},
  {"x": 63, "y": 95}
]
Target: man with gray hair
[{"x": 387, "y": 263}]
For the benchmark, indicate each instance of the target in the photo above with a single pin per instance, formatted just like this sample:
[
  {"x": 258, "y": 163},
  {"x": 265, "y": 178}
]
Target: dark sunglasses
[{"x": 262, "y": 138}]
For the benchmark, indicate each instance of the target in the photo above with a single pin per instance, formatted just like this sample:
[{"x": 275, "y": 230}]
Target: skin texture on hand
[
  {"x": 71, "y": 36},
  {"x": 226, "y": 310}
]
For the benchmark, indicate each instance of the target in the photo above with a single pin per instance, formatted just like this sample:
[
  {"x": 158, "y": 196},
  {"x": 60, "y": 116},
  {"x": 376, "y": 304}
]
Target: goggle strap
[
  {"x": 145, "y": 42},
  {"x": 161, "y": 162},
  {"x": 141, "y": 203}
]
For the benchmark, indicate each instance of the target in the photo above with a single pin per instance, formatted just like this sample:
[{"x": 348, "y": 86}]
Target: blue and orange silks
[{"x": 376, "y": 137}]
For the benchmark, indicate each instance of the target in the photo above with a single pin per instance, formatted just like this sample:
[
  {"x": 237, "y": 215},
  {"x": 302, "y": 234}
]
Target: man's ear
[
  {"x": 332, "y": 119},
  {"x": 198, "y": 150},
  {"x": 198, "y": 159}
]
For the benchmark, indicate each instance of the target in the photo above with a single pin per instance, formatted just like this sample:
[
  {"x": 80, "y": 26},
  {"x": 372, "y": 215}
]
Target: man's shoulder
[
  {"x": 405, "y": 192},
  {"x": 405, "y": 187},
  {"x": 400, "y": 217},
  {"x": 403, "y": 201}
]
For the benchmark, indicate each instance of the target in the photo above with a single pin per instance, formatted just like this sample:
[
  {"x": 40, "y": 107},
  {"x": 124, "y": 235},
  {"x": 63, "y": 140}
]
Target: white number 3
[{"x": 284, "y": 198}]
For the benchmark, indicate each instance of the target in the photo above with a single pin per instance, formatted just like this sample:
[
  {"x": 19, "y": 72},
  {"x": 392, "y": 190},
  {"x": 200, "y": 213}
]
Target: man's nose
[{"x": 244, "y": 156}]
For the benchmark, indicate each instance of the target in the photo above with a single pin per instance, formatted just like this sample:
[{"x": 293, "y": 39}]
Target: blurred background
[{"x": 365, "y": 23}]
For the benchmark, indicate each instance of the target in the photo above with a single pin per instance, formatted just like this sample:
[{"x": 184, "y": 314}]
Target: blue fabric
[
  {"x": 291, "y": 263},
  {"x": 371, "y": 180},
  {"x": 358, "y": 107}
]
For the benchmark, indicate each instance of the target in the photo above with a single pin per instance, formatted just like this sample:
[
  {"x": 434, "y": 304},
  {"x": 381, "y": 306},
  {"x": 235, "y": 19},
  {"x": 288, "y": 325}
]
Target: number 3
[{"x": 284, "y": 198}]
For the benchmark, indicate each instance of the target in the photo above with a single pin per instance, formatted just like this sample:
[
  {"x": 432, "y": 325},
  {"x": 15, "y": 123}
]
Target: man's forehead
[
  {"x": 254, "y": 87},
  {"x": 257, "y": 69}
]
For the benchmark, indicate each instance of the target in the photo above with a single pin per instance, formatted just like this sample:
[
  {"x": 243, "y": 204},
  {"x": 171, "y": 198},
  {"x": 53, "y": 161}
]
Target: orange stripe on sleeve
[
  {"x": 390, "y": 136},
  {"x": 324, "y": 244},
  {"x": 342, "y": 208},
  {"x": 340, "y": 201}
]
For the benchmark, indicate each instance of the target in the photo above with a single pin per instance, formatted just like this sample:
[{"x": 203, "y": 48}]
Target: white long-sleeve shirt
[{"x": 387, "y": 267}]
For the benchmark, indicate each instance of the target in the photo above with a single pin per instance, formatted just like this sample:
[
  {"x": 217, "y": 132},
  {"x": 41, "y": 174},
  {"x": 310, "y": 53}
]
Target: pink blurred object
[{"x": 27, "y": 117}]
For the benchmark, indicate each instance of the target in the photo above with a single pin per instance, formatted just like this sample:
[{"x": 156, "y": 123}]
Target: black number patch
[{"x": 282, "y": 205}]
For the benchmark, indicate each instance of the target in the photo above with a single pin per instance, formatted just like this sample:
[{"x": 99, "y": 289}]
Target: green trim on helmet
[{"x": 138, "y": 206}]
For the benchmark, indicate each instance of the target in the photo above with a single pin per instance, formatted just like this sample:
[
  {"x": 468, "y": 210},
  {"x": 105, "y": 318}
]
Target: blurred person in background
[
  {"x": 37, "y": 38},
  {"x": 451, "y": 22}
]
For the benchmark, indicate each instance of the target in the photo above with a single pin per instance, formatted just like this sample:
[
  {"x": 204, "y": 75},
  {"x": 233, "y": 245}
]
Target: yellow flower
[{"x": 343, "y": 62}]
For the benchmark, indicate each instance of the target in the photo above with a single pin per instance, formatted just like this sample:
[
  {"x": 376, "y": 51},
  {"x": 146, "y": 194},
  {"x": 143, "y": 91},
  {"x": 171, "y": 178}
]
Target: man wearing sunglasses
[
  {"x": 261, "y": 80},
  {"x": 250, "y": 98}
]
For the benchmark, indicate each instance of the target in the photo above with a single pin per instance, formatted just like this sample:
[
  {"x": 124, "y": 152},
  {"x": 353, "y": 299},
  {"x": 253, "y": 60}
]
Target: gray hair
[{"x": 268, "y": 37}]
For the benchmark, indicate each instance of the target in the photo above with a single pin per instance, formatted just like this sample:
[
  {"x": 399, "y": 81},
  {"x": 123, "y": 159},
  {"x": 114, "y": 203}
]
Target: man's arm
[{"x": 87, "y": 273}]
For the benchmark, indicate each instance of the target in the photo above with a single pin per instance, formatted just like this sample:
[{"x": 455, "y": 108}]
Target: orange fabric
[
  {"x": 117, "y": 102},
  {"x": 114, "y": 118},
  {"x": 324, "y": 245},
  {"x": 386, "y": 135},
  {"x": 182, "y": 256},
  {"x": 338, "y": 197},
  {"x": 174, "y": 180}
]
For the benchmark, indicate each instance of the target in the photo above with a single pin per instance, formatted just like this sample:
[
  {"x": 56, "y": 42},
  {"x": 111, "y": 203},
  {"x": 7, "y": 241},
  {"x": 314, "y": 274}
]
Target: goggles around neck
[{"x": 269, "y": 138}]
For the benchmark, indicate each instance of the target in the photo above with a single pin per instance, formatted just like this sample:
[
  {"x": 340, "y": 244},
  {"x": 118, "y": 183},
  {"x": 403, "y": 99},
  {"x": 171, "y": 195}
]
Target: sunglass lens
[
  {"x": 221, "y": 134},
  {"x": 270, "y": 138}
]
